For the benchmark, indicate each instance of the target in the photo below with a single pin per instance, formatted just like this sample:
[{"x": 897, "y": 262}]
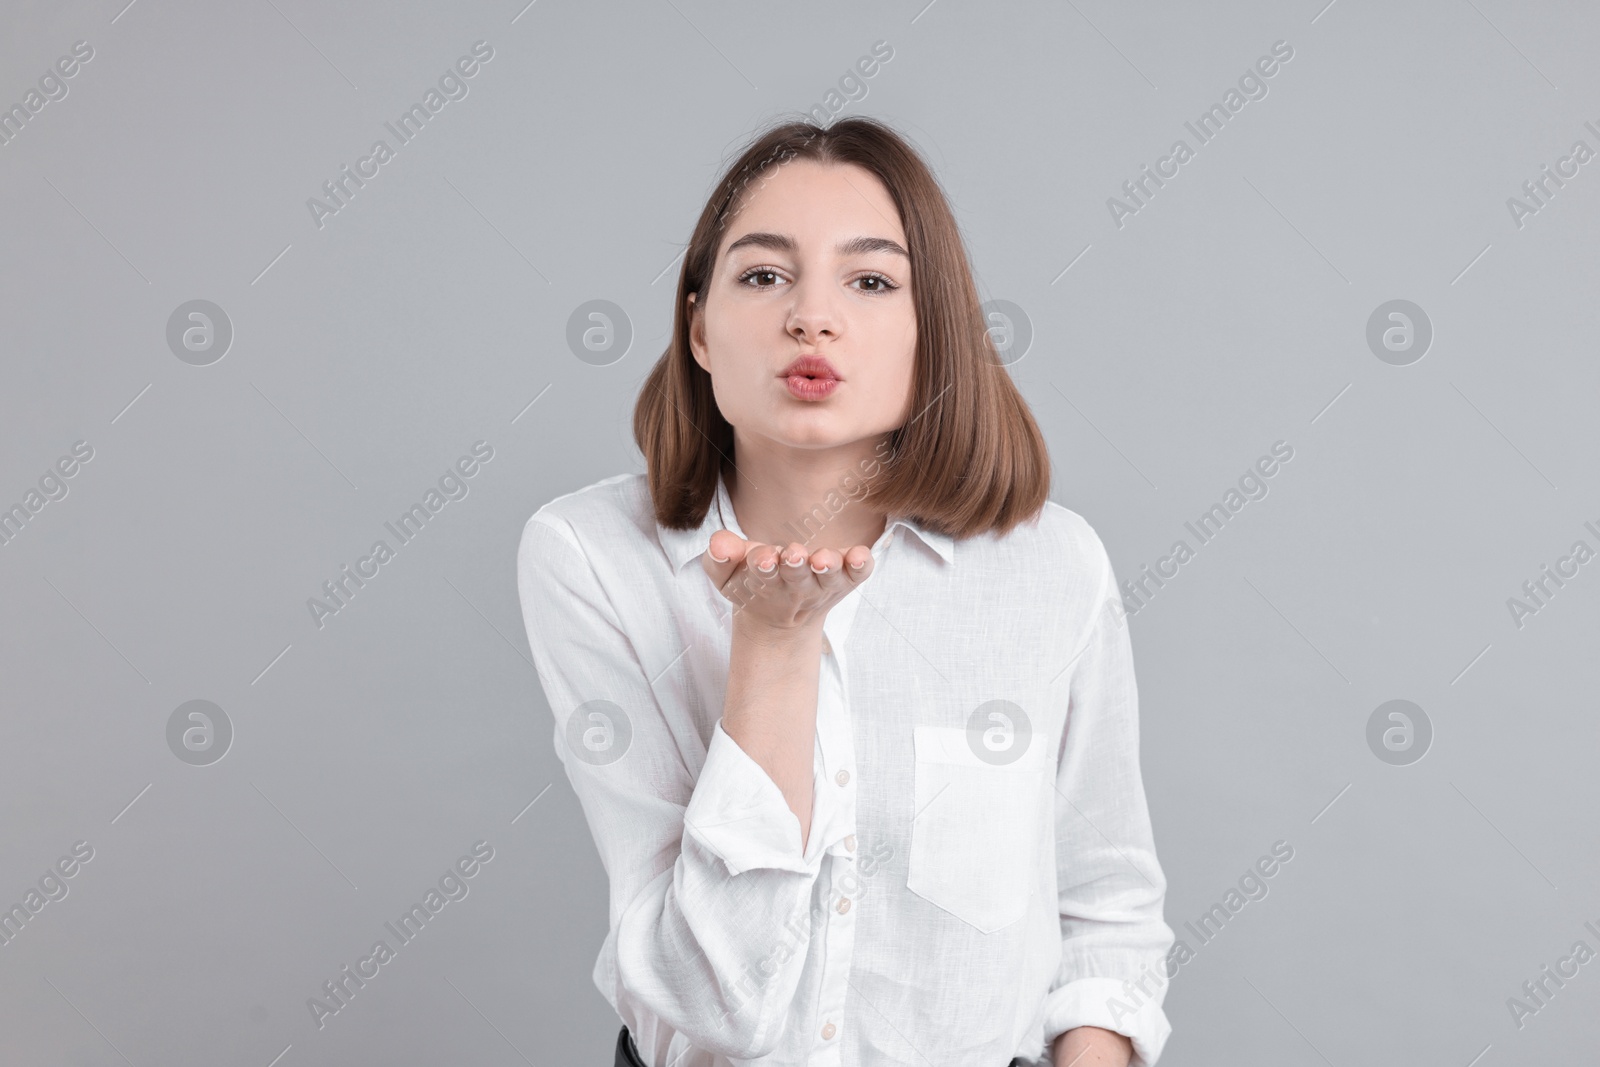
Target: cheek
[
  {"x": 742, "y": 327},
  {"x": 730, "y": 392},
  {"x": 904, "y": 330},
  {"x": 738, "y": 369},
  {"x": 887, "y": 377},
  {"x": 905, "y": 364},
  {"x": 899, "y": 347}
]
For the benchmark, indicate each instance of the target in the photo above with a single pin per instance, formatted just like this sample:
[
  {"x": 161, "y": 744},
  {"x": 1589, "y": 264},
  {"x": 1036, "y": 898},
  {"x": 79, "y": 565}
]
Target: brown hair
[{"x": 979, "y": 461}]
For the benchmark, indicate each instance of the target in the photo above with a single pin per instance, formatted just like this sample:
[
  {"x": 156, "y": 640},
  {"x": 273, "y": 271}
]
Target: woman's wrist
[{"x": 797, "y": 639}]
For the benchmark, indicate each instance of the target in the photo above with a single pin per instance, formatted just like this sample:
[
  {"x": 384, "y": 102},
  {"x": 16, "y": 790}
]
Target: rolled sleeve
[
  {"x": 1095, "y": 1002},
  {"x": 739, "y": 814},
  {"x": 1111, "y": 888}
]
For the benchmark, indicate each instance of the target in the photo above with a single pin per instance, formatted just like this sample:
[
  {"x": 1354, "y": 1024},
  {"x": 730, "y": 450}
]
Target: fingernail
[
  {"x": 766, "y": 570},
  {"x": 794, "y": 562},
  {"x": 713, "y": 556},
  {"x": 822, "y": 571},
  {"x": 858, "y": 566}
]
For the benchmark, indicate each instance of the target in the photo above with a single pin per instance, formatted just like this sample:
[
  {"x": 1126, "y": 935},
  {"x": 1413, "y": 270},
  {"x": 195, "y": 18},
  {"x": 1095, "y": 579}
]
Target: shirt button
[
  {"x": 842, "y": 777},
  {"x": 828, "y": 1032},
  {"x": 850, "y": 842},
  {"x": 844, "y": 905}
]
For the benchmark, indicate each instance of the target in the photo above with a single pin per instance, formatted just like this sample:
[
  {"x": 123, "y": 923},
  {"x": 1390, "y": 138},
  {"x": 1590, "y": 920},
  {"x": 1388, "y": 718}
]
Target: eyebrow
[{"x": 854, "y": 246}]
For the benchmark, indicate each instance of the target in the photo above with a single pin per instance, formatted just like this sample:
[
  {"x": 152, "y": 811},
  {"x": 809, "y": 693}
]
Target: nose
[{"x": 812, "y": 315}]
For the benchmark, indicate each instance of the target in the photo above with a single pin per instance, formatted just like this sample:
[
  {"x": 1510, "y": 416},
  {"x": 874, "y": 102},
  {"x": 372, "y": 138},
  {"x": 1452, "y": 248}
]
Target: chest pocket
[{"x": 975, "y": 833}]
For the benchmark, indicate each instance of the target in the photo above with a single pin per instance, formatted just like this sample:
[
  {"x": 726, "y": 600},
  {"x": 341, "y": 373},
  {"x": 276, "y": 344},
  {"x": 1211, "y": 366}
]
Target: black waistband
[{"x": 628, "y": 1053}]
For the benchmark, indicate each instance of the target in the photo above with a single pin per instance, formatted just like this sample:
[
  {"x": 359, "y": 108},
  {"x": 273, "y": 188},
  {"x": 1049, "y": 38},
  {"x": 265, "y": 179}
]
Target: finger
[
  {"x": 732, "y": 548},
  {"x": 763, "y": 559},
  {"x": 758, "y": 572},
  {"x": 793, "y": 565},
  {"x": 760, "y": 569},
  {"x": 858, "y": 565},
  {"x": 827, "y": 564}
]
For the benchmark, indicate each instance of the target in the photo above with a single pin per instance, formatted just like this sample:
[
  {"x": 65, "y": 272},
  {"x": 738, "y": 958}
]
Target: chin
[{"x": 812, "y": 429}]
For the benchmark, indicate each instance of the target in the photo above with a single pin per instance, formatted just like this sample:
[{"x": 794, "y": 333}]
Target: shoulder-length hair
[{"x": 970, "y": 457}]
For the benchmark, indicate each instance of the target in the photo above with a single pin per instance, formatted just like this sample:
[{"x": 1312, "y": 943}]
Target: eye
[
  {"x": 759, "y": 272},
  {"x": 881, "y": 283},
  {"x": 875, "y": 283}
]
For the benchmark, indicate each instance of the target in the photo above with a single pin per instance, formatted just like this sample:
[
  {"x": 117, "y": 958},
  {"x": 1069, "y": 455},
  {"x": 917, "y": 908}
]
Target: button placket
[
  {"x": 838, "y": 933},
  {"x": 834, "y": 723},
  {"x": 835, "y": 748},
  {"x": 841, "y": 926},
  {"x": 839, "y": 922}
]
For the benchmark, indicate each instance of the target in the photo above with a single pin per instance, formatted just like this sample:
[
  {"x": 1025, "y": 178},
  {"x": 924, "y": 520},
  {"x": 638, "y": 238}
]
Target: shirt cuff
[
  {"x": 739, "y": 814},
  {"x": 1110, "y": 1004}
]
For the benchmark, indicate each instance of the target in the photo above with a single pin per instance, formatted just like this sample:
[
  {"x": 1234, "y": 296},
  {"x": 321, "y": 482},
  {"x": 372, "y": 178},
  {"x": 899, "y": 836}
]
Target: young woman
[{"x": 848, "y": 703}]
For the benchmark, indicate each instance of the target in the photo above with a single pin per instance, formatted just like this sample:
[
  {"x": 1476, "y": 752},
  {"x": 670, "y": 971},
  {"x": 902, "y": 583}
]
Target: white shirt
[{"x": 979, "y": 877}]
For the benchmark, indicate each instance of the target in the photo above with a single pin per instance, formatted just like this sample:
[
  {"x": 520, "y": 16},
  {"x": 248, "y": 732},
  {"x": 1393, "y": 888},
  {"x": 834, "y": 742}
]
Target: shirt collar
[{"x": 683, "y": 545}]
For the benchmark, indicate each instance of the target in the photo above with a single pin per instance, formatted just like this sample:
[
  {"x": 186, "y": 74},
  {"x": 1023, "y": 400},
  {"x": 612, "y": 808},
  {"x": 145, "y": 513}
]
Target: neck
[{"x": 804, "y": 496}]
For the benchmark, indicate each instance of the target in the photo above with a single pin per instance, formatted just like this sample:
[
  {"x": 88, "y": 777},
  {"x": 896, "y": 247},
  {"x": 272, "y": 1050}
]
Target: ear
[{"x": 697, "y": 335}]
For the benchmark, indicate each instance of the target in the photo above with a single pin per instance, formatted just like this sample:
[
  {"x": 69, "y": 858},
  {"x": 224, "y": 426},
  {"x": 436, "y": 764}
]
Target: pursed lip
[{"x": 809, "y": 366}]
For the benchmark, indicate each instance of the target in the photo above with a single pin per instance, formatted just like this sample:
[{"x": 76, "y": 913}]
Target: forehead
[{"x": 807, "y": 199}]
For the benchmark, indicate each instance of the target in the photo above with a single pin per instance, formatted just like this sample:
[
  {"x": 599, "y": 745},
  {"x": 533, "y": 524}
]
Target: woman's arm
[
  {"x": 1111, "y": 888},
  {"x": 771, "y": 707},
  {"x": 710, "y": 886},
  {"x": 775, "y": 656}
]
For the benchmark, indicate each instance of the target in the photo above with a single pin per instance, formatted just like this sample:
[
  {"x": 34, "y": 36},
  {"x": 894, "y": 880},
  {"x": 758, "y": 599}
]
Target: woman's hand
[
  {"x": 794, "y": 593},
  {"x": 1092, "y": 1046},
  {"x": 775, "y": 654}
]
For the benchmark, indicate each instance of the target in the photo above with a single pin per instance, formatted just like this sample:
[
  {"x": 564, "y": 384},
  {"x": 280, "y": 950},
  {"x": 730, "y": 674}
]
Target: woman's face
[{"x": 814, "y": 263}]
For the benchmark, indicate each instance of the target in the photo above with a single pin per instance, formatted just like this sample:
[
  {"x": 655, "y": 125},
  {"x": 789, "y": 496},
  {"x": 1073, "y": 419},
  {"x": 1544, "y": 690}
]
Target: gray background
[{"x": 368, "y": 355}]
